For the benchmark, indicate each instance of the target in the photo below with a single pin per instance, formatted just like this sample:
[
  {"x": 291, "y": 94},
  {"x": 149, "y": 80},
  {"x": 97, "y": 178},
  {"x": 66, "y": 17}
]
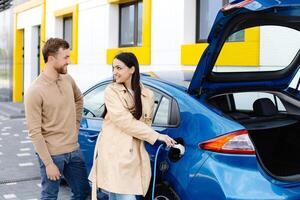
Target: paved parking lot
[{"x": 19, "y": 171}]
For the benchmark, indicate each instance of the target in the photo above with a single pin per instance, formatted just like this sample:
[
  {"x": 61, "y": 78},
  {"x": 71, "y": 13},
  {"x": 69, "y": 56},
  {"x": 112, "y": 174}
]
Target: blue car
[{"x": 240, "y": 130}]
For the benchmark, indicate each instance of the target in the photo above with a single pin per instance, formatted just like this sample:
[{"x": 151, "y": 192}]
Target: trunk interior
[
  {"x": 278, "y": 147},
  {"x": 275, "y": 135}
]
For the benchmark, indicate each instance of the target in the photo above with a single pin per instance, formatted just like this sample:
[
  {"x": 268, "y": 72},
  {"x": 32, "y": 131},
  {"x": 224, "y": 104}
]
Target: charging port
[{"x": 176, "y": 152}]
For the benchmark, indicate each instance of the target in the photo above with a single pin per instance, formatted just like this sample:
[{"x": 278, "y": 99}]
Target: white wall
[
  {"x": 28, "y": 21},
  {"x": 173, "y": 24},
  {"x": 92, "y": 43},
  {"x": 52, "y": 25},
  {"x": 30, "y": 17},
  {"x": 167, "y": 33},
  {"x": 278, "y": 46},
  {"x": 92, "y": 38}
]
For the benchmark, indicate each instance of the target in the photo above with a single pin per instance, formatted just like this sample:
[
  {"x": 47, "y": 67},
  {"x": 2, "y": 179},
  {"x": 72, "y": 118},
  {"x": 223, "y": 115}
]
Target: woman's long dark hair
[{"x": 130, "y": 60}]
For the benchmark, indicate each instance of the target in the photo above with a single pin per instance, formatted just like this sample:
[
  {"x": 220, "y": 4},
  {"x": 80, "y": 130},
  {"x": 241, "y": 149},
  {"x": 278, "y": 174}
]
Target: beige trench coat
[{"x": 121, "y": 162}]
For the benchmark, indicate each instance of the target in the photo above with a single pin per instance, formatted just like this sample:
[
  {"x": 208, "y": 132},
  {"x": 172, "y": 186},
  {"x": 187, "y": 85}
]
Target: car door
[
  {"x": 165, "y": 117},
  {"x": 91, "y": 121}
]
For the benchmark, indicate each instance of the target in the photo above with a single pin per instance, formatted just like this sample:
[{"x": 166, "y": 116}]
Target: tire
[{"x": 162, "y": 192}]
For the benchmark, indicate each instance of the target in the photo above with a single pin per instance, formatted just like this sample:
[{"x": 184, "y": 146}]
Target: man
[{"x": 53, "y": 107}]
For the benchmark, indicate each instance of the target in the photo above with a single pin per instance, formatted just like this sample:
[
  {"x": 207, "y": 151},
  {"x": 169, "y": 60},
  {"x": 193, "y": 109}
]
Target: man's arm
[
  {"x": 33, "y": 113},
  {"x": 78, "y": 98}
]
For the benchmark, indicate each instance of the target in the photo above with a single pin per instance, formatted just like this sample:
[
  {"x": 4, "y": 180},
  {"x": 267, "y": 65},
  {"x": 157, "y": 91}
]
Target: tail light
[
  {"x": 237, "y": 5},
  {"x": 237, "y": 142}
]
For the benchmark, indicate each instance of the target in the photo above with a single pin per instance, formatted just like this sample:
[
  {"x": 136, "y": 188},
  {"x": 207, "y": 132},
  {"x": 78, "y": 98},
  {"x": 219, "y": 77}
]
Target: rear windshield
[{"x": 262, "y": 48}]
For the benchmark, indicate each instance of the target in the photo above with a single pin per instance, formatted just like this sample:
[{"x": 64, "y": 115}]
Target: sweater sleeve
[
  {"x": 124, "y": 120},
  {"x": 78, "y": 98},
  {"x": 33, "y": 113}
]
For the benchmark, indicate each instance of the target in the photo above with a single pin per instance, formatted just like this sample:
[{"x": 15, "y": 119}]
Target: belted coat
[{"x": 121, "y": 162}]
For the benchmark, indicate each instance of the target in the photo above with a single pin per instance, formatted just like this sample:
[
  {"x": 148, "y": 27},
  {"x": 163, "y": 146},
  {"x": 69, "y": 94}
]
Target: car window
[
  {"x": 245, "y": 100},
  {"x": 296, "y": 81},
  {"x": 266, "y": 48},
  {"x": 162, "y": 109},
  {"x": 93, "y": 105},
  {"x": 162, "y": 115},
  {"x": 157, "y": 97}
]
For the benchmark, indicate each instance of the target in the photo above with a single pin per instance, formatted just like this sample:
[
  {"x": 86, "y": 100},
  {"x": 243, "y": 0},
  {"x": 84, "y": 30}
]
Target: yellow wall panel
[
  {"x": 233, "y": 53},
  {"x": 142, "y": 54},
  {"x": 18, "y": 64},
  {"x": 191, "y": 53},
  {"x": 43, "y": 37},
  {"x": 119, "y": 1}
]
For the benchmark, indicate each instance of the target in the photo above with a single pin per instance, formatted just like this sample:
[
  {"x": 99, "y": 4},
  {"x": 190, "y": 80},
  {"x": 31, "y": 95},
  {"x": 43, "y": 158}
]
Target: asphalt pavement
[{"x": 19, "y": 170}]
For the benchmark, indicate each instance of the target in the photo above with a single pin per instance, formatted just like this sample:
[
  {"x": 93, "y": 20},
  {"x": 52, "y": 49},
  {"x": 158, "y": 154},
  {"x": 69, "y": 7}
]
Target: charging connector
[
  {"x": 176, "y": 152},
  {"x": 181, "y": 149}
]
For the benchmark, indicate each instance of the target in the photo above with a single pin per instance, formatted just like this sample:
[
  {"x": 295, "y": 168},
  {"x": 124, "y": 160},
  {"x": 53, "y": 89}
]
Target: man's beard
[{"x": 62, "y": 70}]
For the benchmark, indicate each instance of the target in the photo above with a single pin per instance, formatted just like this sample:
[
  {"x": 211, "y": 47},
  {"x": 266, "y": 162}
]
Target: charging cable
[
  {"x": 177, "y": 146},
  {"x": 154, "y": 170}
]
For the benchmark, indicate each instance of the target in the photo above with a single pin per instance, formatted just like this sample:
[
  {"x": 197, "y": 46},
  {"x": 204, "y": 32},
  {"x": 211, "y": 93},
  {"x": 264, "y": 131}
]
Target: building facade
[{"x": 164, "y": 34}]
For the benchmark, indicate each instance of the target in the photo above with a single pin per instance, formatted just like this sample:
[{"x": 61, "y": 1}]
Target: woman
[{"x": 121, "y": 163}]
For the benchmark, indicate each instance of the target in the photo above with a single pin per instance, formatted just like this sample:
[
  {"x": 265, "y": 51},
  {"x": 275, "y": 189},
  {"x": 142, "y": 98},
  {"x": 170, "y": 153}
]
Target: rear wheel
[{"x": 162, "y": 192}]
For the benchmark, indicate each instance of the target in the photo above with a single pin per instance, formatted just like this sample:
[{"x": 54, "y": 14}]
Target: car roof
[{"x": 178, "y": 78}]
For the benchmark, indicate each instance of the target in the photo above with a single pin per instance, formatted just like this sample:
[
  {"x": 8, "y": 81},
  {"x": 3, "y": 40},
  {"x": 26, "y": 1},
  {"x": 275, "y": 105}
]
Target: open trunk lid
[{"x": 232, "y": 18}]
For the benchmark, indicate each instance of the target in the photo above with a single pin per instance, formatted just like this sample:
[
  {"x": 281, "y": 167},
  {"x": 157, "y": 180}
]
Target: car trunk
[
  {"x": 275, "y": 135},
  {"x": 277, "y": 145}
]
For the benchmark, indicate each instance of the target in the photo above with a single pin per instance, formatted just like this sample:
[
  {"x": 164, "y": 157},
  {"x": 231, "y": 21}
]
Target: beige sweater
[{"x": 53, "y": 108}]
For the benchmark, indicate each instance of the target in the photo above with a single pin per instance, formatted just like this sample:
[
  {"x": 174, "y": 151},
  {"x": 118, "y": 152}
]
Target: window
[
  {"x": 157, "y": 97},
  {"x": 162, "y": 115},
  {"x": 237, "y": 37},
  {"x": 130, "y": 29},
  {"x": 295, "y": 84},
  {"x": 66, "y": 26},
  {"x": 206, "y": 11},
  {"x": 162, "y": 110},
  {"x": 166, "y": 110},
  {"x": 93, "y": 106},
  {"x": 278, "y": 48},
  {"x": 245, "y": 100},
  {"x": 67, "y": 30}
]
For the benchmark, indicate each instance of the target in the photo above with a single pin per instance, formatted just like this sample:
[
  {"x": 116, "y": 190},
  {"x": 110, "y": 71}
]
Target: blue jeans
[
  {"x": 115, "y": 196},
  {"x": 72, "y": 168}
]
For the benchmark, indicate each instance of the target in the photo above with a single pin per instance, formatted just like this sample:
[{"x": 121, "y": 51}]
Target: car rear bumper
[{"x": 236, "y": 177}]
